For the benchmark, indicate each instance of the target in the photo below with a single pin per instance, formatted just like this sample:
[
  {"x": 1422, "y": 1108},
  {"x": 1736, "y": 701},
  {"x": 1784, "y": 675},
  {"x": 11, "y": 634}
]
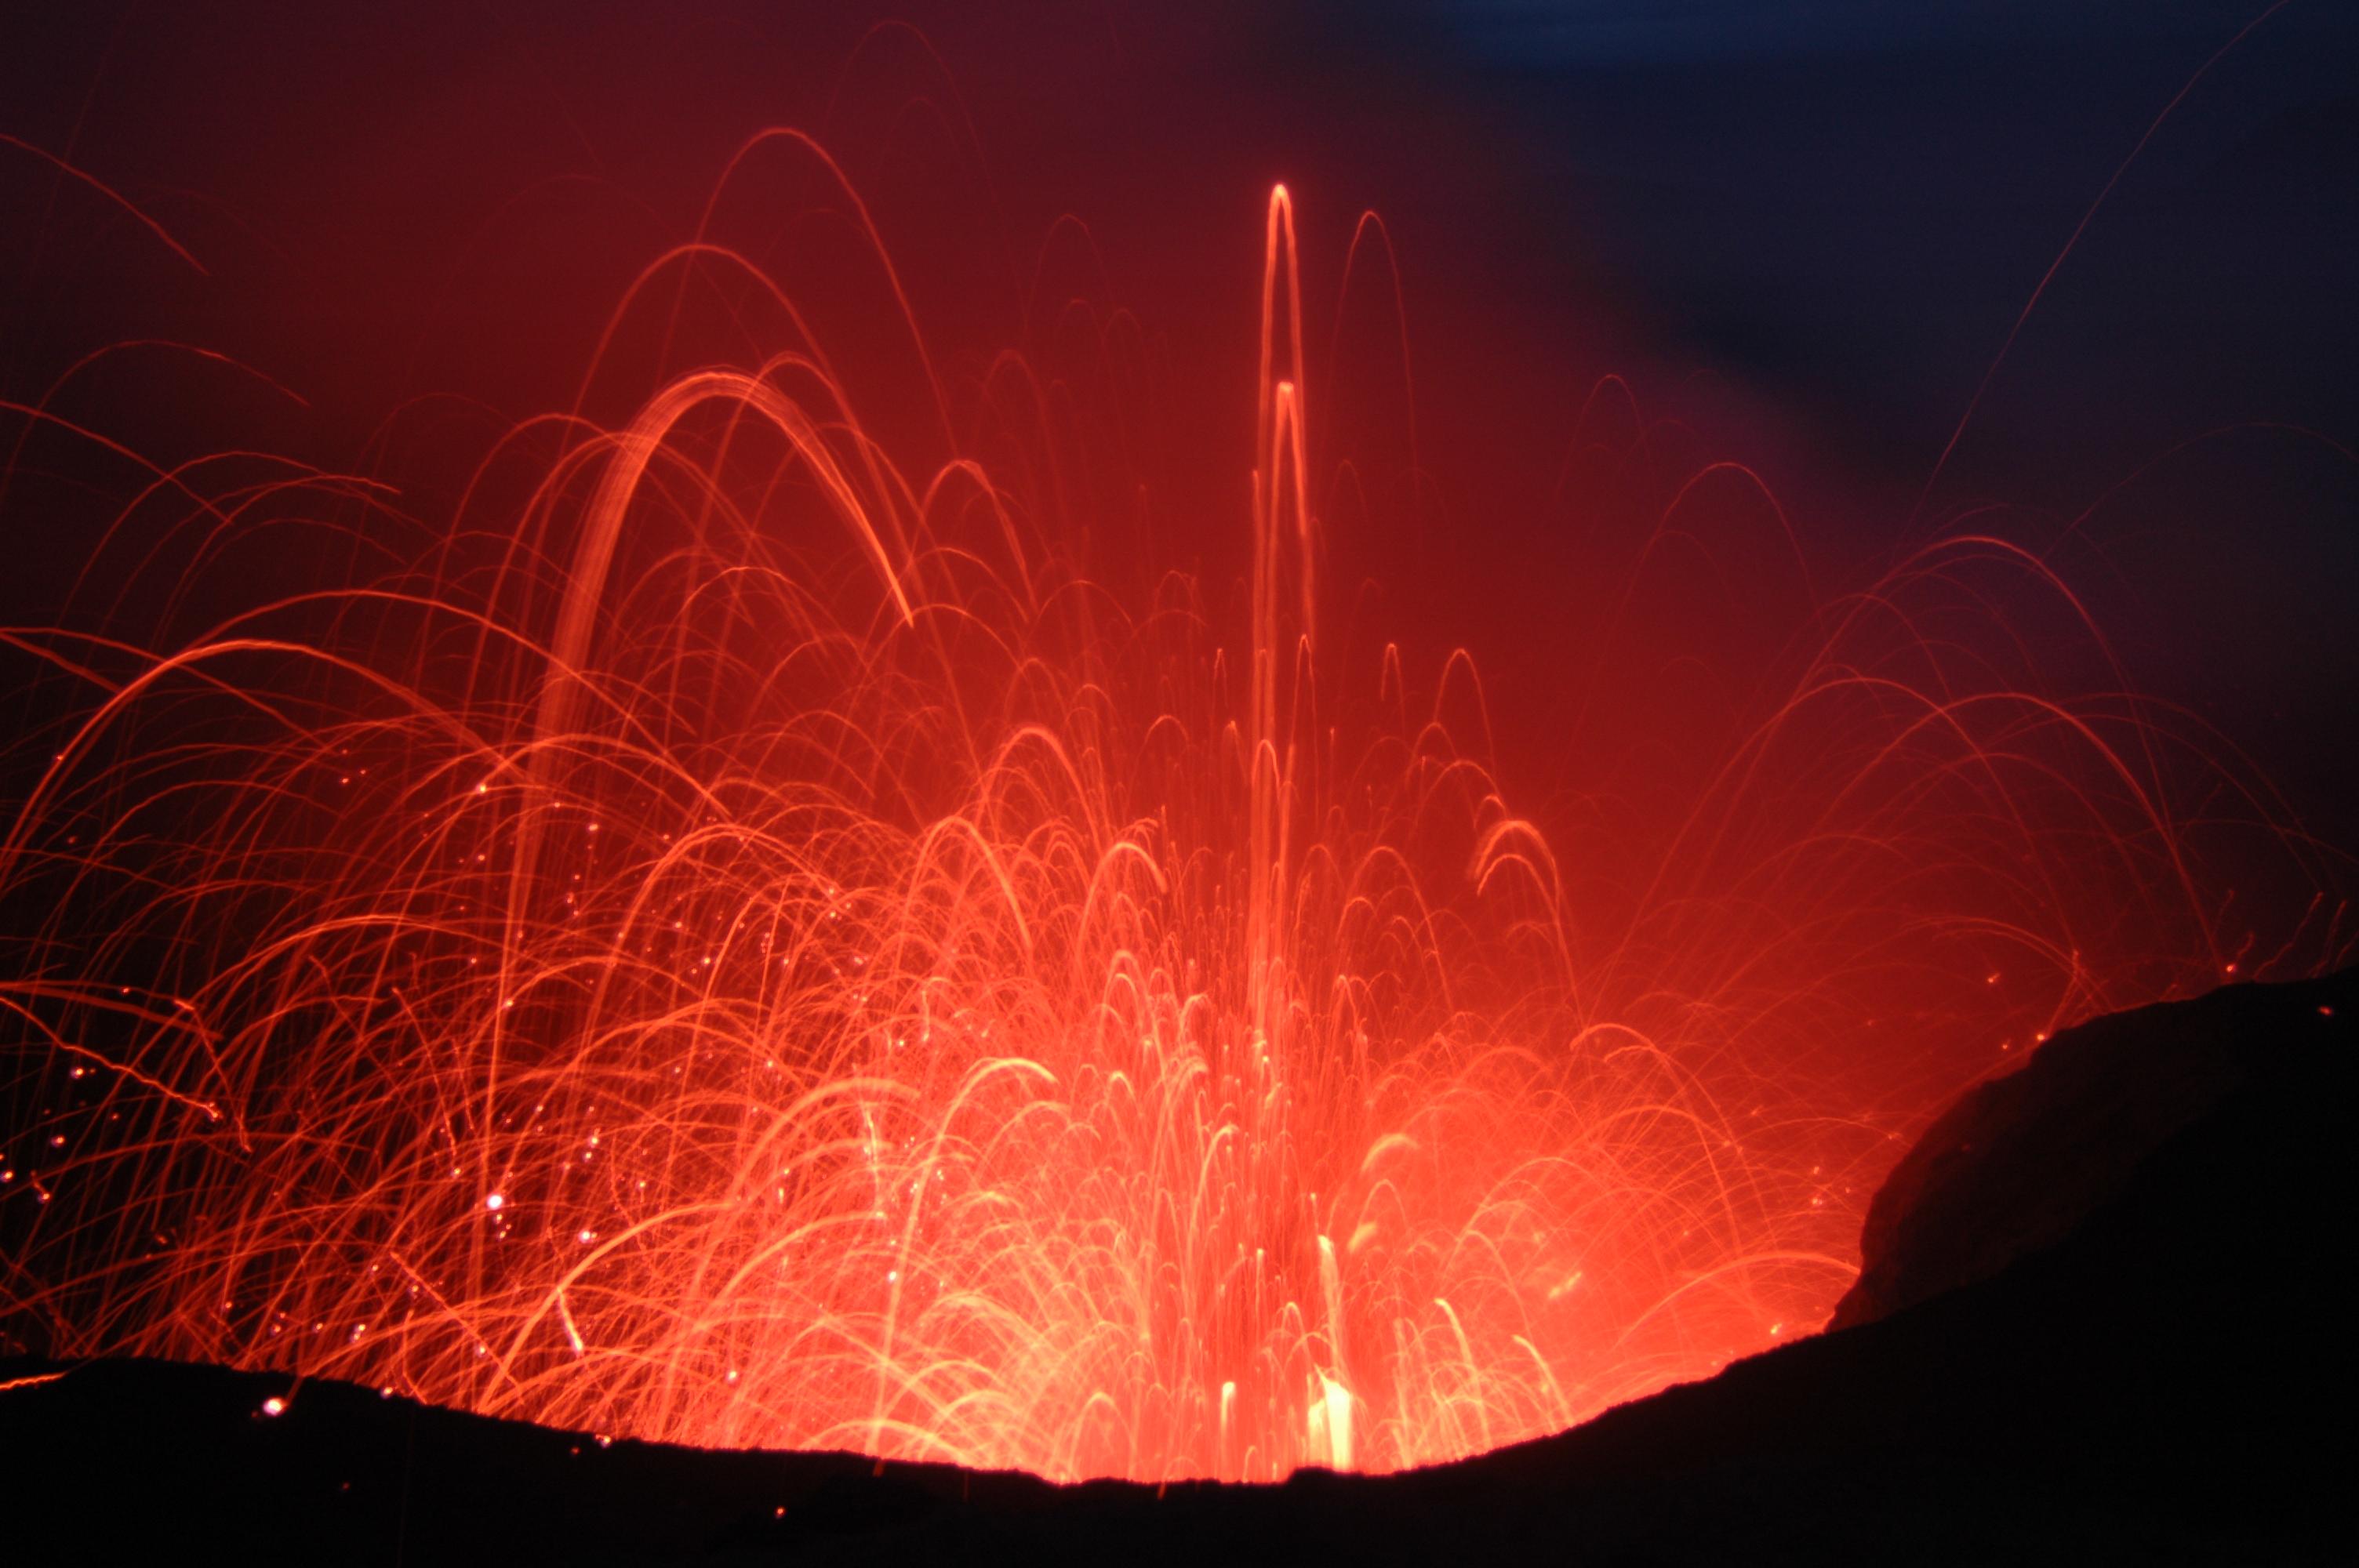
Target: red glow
[{"x": 739, "y": 934}]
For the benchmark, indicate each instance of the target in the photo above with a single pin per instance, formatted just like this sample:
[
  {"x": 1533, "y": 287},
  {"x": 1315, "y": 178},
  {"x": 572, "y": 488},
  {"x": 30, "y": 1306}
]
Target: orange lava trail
[{"x": 766, "y": 950}]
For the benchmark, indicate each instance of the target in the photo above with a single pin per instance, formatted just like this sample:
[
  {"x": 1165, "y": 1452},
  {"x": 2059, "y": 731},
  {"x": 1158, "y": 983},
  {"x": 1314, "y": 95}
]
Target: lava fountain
[{"x": 737, "y": 939}]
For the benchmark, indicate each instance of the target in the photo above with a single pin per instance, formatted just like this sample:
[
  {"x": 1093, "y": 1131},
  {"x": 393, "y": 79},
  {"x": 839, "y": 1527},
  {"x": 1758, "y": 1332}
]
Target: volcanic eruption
[{"x": 760, "y": 924}]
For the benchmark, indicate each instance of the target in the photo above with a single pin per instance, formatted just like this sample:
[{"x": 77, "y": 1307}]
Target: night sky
[{"x": 1809, "y": 229}]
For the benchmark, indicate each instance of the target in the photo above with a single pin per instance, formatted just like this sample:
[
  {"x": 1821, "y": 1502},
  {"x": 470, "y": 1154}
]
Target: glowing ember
[{"x": 743, "y": 943}]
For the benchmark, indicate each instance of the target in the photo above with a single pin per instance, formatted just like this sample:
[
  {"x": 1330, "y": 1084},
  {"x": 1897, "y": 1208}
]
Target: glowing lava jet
[{"x": 741, "y": 943}]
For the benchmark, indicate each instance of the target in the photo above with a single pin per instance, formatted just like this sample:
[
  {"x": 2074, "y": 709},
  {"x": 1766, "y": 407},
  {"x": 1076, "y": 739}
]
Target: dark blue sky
[{"x": 1594, "y": 32}]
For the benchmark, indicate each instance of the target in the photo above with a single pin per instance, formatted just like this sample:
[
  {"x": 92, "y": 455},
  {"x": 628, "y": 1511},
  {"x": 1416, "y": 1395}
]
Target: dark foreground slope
[{"x": 2144, "y": 1367}]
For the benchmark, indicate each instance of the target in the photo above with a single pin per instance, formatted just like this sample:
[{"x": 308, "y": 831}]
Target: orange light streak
[{"x": 745, "y": 943}]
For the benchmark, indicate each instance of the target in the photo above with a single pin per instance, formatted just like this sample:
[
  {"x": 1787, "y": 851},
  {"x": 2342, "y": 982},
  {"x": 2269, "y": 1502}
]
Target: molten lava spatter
[{"x": 743, "y": 943}]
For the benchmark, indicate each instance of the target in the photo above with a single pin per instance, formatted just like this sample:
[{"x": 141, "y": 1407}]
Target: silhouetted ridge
[
  {"x": 2019, "y": 1161},
  {"x": 2138, "y": 1376}
]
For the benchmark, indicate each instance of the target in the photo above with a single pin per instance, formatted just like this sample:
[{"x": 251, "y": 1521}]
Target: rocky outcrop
[{"x": 2020, "y": 1161}]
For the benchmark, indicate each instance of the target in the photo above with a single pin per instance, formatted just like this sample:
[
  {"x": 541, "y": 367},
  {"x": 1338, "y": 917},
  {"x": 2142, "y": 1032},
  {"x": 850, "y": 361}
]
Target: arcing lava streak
[{"x": 740, "y": 943}]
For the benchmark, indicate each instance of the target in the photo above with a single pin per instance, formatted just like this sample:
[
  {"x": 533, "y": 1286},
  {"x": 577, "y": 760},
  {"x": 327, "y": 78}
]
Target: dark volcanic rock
[
  {"x": 2145, "y": 1380},
  {"x": 2019, "y": 1161}
]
